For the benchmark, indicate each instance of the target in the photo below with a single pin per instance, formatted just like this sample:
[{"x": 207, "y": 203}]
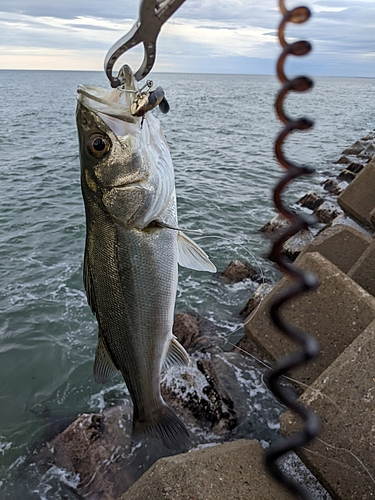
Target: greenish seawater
[{"x": 221, "y": 130}]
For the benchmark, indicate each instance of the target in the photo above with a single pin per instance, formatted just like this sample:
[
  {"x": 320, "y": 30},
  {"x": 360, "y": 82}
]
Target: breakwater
[{"x": 210, "y": 395}]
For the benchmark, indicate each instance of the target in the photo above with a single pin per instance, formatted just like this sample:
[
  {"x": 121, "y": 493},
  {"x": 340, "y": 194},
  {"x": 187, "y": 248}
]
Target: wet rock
[
  {"x": 94, "y": 447},
  {"x": 192, "y": 392},
  {"x": 186, "y": 329},
  {"x": 330, "y": 185},
  {"x": 340, "y": 188},
  {"x": 241, "y": 381},
  {"x": 368, "y": 137},
  {"x": 333, "y": 187},
  {"x": 239, "y": 271},
  {"x": 326, "y": 212},
  {"x": 294, "y": 246},
  {"x": 256, "y": 299},
  {"x": 311, "y": 200},
  {"x": 196, "y": 333},
  {"x": 354, "y": 167},
  {"x": 216, "y": 395},
  {"x": 368, "y": 152},
  {"x": 194, "y": 398},
  {"x": 343, "y": 160},
  {"x": 354, "y": 149},
  {"x": 346, "y": 175},
  {"x": 274, "y": 226},
  {"x": 232, "y": 471}
]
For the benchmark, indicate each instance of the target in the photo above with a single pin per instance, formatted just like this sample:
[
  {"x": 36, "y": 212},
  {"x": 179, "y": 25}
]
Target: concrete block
[
  {"x": 341, "y": 244},
  {"x": 363, "y": 271},
  {"x": 358, "y": 199},
  {"x": 344, "y": 398},
  {"x": 232, "y": 471},
  {"x": 335, "y": 313}
]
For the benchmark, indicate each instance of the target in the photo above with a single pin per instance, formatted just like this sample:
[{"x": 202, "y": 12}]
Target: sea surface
[{"x": 220, "y": 130}]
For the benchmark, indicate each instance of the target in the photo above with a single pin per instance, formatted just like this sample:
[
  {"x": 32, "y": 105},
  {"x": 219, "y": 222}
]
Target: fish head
[
  {"x": 125, "y": 161},
  {"x": 109, "y": 138}
]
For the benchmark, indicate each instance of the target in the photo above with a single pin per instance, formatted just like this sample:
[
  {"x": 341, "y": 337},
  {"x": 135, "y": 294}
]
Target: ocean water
[{"x": 220, "y": 130}]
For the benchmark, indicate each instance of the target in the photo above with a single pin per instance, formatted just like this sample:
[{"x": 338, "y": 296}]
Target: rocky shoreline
[{"x": 221, "y": 395}]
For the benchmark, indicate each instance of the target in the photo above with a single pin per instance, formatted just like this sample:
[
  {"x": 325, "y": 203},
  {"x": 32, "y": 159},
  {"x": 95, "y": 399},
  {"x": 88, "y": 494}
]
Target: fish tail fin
[{"x": 164, "y": 425}]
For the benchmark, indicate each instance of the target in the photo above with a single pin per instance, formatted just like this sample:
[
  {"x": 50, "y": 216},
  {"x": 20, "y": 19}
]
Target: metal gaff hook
[{"x": 152, "y": 15}]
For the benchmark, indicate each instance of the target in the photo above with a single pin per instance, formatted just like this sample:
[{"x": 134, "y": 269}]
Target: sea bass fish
[{"x": 132, "y": 248}]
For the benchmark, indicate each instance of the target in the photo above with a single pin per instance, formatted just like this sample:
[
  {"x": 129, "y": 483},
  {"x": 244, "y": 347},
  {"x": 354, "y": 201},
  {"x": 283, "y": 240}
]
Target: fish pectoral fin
[
  {"x": 104, "y": 367},
  {"x": 190, "y": 255},
  {"x": 176, "y": 356}
]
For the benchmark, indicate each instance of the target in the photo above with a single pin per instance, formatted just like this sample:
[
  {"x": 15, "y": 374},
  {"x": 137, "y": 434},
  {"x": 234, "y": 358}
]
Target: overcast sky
[{"x": 213, "y": 36}]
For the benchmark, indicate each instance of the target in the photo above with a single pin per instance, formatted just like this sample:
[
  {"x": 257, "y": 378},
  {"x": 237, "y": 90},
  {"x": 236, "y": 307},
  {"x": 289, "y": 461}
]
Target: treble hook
[{"x": 152, "y": 15}]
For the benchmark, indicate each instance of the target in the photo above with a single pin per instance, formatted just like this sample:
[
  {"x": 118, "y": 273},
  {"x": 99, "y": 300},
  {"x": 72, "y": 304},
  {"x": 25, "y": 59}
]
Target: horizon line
[{"x": 183, "y": 73}]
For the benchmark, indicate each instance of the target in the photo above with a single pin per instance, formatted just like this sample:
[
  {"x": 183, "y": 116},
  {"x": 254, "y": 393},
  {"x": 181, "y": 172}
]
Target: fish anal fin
[
  {"x": 164, "y": 425},
  {"x": 104, "y": 367},
  {"x": 176, "y": 356},
  {"x": 190, "y": 255}
]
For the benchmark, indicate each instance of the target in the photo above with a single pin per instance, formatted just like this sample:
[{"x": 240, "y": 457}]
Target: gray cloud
[
  {"x": 37, "y": 34},
  {"x": 214, "y": 10},
  {"x": 217, "y": 27},
  {"x": 343, "y": 36},
  {"x": 91, "y": 27},
  {"x": 70, "y": 9},
  {"x": 343, "y": 4}
]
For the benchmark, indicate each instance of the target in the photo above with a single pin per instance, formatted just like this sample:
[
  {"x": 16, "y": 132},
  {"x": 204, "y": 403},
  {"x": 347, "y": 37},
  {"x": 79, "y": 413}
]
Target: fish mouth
[
  {"x": 114, "y": 103},
  {"x": 112, "y": 107}
]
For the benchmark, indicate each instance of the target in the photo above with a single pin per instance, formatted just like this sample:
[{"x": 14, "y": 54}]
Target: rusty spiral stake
[{"x": 302, "y": 281}]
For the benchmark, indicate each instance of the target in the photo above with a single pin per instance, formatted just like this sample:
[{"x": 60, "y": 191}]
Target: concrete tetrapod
[
  {"x": 335, "y": 313},
  {"x": 344, "y": 397}
]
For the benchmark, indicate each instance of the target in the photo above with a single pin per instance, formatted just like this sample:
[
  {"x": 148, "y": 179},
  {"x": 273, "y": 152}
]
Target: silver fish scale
[{"x": 134, "y": 279}]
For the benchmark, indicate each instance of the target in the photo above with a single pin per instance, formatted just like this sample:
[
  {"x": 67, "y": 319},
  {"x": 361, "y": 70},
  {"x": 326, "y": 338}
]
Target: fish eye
[{"x": 98, "y": 145}]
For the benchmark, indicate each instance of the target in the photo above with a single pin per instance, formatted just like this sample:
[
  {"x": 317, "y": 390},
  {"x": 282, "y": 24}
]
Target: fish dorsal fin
[
  {"x": 190, "y": 255},
  {"x": 88, "y": 283},
  {"x": 104, "y": 367},
  {"x": 176, "y": 356}
]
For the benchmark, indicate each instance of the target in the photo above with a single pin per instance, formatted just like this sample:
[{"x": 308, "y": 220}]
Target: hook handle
[{"x": 152, "y": 15}]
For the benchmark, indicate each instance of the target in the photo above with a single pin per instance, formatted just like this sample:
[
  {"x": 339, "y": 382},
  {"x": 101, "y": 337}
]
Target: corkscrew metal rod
[{"x": 302, "y": 281}]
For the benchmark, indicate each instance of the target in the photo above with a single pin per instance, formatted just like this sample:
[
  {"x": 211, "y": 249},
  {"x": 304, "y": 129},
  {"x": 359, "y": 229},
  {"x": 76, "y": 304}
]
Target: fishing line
[
  {"x": 290, "y": 379},
  {"x": 239, "y": 245},
  {"x": 268, "y": 366},
  {"x": 286, "y": 377},
  {"x": 200, "y": 231},
  {"x": 334, "y": 460},
  {"x": 248, "y": 319}
]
